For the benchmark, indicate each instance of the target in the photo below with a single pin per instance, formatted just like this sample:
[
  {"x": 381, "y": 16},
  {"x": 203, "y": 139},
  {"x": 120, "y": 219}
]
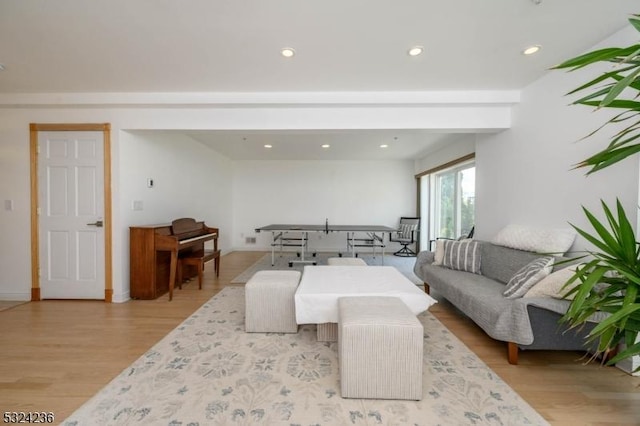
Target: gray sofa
[{"x": 524, "y": 323}]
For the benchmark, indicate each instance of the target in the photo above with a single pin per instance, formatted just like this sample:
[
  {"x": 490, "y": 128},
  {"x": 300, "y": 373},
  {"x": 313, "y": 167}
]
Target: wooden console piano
[{"x": 155, "y": 251}]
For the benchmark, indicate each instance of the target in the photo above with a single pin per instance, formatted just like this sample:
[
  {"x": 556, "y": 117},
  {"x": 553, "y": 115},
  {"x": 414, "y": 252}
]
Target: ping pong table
[{"x": 374, "y": 237}]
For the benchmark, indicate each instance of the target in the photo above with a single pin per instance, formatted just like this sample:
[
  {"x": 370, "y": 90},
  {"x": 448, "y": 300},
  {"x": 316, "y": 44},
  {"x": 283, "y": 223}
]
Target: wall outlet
[
  {"x": 250, "y": 240},
  {"x": 8, "y": 205},
  {"x": 137, "y": 205}
]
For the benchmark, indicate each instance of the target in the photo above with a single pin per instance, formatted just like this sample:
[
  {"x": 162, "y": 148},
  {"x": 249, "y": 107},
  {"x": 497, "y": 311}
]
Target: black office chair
[{"x": 406, "y": 235}]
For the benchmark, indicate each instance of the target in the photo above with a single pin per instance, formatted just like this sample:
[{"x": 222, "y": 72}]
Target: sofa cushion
[
  {"x": 481, "y": 299},
  {"x": 527, "y": 277},
  {"x": 553, "y": 284},
  {"x": 462, "y": 256},
  {"x": 502, "y": 263}
]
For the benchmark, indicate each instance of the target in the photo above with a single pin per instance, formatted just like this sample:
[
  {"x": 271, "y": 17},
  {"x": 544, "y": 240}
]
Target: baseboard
[
  {"x": 121, "y": 297},
  {"x": 18, "y": 297},
  {"x": 26, "y": 297}
]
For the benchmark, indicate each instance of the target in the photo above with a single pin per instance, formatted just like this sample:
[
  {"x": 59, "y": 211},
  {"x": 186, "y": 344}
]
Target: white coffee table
[{"x": 316, "y": 299}]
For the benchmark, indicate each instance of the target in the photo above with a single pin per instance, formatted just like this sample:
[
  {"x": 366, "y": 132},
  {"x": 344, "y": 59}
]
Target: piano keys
[{"x": 155, "y": 250}]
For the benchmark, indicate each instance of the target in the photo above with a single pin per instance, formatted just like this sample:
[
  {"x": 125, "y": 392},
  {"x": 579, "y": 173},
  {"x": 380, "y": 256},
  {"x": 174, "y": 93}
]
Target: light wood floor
[{"x": 55, "y": 355}]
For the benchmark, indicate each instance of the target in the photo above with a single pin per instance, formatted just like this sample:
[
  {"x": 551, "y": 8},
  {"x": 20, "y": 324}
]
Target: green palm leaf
[
  {"x": 617, "y": 89},
  {"x": 608, "y": 54},
  {"x": 608, "y": 157},
  {"x": 603, "y": 77}
]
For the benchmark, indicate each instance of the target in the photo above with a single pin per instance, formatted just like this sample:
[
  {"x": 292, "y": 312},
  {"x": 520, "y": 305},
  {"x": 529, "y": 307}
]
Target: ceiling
[
  {"x": 308, "y": 145},
  {"x": 212, "y": 46}
]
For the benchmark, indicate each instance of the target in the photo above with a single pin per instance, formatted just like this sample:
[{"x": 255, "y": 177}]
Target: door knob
[{"x": 97, "y": 223}]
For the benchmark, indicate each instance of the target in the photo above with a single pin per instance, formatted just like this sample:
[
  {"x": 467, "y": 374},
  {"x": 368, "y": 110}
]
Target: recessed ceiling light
[
  {"x": 384, "y": 145},
  {"x": 531, "y": 50},
  {"x": 287, "y": 52},
  {"x": 416, "y": 50},
  {"x": 268, "y": 146},
  {"x": 2, "y": 67},
  {"x": 326, "y": 145}
]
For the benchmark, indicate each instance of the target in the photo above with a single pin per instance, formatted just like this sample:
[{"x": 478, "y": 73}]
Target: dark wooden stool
[{"x": 198, "y": 259}]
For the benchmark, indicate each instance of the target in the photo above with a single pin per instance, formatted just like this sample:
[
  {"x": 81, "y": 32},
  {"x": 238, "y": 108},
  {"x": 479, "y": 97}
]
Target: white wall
[
  {"x": 15, "y": 254},
  {"x": 523, "y": 174},
  {"x": 463, "y": 145},
  {"x": 345, "y": 192},
  {"x": 190, "y": 180}
]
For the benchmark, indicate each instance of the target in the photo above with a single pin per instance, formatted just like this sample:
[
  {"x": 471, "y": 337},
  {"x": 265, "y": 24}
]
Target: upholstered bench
[
  {"x": 380, "y": 346},
  {"x": 269, "y": 302},
  {"x": 347, "y": 261}
]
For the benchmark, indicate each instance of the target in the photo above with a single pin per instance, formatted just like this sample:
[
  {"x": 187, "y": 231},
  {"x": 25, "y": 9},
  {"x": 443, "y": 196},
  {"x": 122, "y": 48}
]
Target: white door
[{"x": 70, "y": 214}]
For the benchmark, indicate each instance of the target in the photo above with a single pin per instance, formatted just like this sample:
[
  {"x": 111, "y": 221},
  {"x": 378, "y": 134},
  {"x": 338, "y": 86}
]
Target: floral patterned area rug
[{"x": 208, "y": 371}]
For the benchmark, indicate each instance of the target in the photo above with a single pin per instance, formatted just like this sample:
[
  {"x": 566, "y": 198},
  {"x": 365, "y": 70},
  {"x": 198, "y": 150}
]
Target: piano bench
[{"x": 198, "y": 259}]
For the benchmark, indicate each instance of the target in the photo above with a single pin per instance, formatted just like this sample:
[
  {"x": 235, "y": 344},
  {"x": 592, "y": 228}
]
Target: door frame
[{"x": 105, "y": 128}]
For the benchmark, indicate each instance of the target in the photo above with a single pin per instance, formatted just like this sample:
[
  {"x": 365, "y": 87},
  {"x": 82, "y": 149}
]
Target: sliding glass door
[
  {"x": 455, "y": 201},
  {"x": 445, "y": 202}
]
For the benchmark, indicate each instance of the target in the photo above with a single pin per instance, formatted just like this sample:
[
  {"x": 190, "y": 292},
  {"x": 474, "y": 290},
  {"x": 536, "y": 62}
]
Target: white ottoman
[
  {"x": 348, "y": 261},
  {"x": 380, "y": 346},
  {"x": 269, "y": 302}
]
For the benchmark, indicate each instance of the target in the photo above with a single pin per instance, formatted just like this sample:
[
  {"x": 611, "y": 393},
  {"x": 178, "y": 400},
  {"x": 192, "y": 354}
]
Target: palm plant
[{"x": 610, "y": 281}]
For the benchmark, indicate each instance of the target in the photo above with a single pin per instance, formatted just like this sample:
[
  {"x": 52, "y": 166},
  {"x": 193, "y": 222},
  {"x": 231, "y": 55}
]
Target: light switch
[
  {"x": 8, "y": 205},
  {"x": 137, "y": 205}
]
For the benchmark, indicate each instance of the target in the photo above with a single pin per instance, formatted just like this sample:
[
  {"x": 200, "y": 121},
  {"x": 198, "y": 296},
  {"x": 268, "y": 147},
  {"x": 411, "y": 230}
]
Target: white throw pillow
[
  {"x": 540, "y": 240},
  {"x": 438, "y": 257},
  {"x": 527, "y": 277},
  {"x": 552, "y": 285}
]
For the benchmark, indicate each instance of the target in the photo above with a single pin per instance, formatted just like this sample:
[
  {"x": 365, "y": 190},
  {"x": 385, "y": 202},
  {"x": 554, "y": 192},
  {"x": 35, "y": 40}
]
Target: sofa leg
[
  {"x": 426, "y": 288},
  {"x": 607, "y": 356},
  {"x": 513, "y": 353}
]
